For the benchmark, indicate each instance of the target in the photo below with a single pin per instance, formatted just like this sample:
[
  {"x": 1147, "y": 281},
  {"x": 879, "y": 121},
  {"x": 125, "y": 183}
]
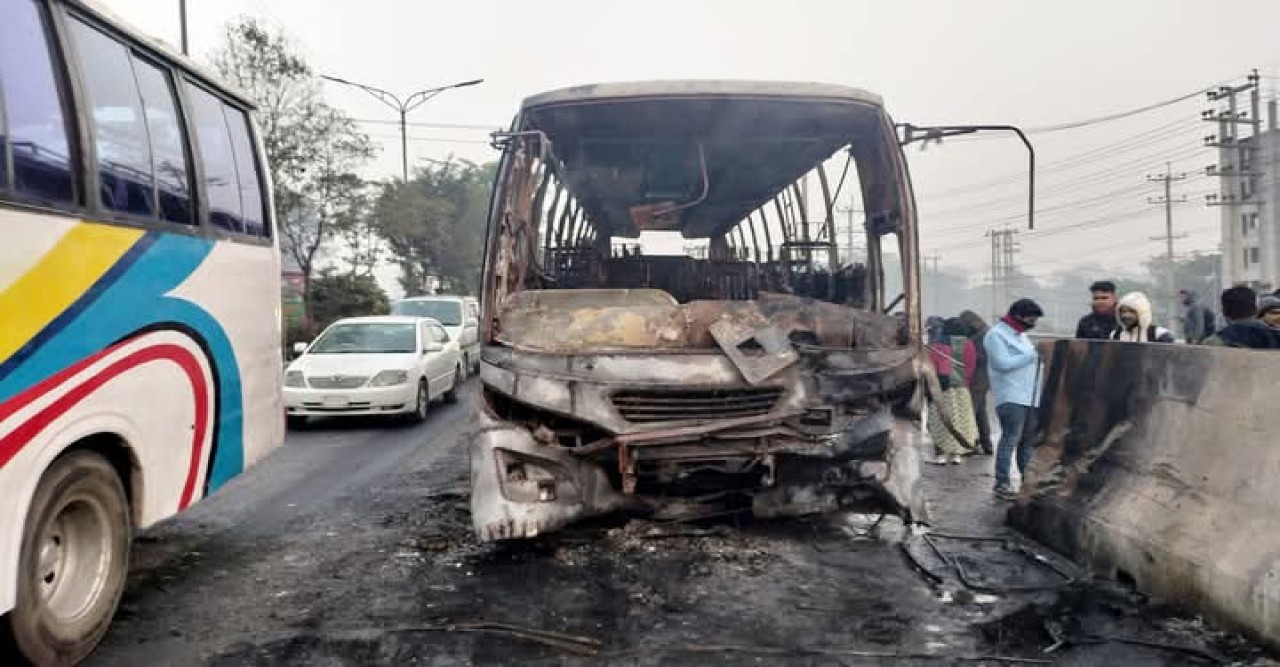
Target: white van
[{"x": 459, "y": 315}]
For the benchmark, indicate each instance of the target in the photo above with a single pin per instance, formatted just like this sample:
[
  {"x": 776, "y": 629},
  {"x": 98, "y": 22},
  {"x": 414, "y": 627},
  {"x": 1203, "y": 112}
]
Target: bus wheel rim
[{"x": 74, "y": 558}]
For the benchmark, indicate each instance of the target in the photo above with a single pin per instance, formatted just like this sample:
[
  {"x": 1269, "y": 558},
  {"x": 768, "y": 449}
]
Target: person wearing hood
[
  {"x": 980, "y": 384},
  {"x": 1134, "y": 317},
  {"x": 1198, "y": 322},
  {"x": 1014, "y": 366},
  {"x": 1269, "y": 311},
  {"x": 1101, "y": 320},
  {"x": 951, "y": 422},
  {"x": 1244, "y": 328}
]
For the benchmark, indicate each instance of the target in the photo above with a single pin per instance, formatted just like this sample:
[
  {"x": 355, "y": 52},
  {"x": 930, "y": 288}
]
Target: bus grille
[
  {"x": 658, "y": 406},
  {"x": 337, "y": 381}
]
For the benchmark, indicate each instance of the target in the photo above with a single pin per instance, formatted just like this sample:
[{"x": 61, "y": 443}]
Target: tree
[
  {"x": 434, "y": 225},
  {"x": 336, "y": 295},
  {"x": 312, "y": 149}
]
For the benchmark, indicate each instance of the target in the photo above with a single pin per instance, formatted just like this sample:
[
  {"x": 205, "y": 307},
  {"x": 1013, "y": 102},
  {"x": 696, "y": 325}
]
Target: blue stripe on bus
[
  {"x": 50, "y": 331},
  {"x": 137, "y": 298}
]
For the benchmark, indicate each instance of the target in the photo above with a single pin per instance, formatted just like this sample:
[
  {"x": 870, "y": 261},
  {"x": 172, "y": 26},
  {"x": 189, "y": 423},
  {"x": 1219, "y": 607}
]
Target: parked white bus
[{"x": 140, "y": 361}]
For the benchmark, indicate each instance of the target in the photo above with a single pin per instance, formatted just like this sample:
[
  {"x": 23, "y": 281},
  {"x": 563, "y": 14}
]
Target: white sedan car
[{"x": 373, "y": 366}]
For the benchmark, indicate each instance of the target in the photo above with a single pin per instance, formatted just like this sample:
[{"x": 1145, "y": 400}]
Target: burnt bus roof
[
  {"x": 598, "y": 92},
  {"x": 630, "y": 150},
  {"x": 159, "y": 49}
]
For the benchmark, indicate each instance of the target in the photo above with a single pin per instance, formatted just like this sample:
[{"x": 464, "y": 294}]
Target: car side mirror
[
  {"x": 432, "y": 347},
  {"x": 299, "y": 348}
]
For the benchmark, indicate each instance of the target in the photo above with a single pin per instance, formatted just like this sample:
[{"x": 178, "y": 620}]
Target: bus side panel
[
  {"x": 158, "y": 339},
  {"x": 239, "y": 286}
]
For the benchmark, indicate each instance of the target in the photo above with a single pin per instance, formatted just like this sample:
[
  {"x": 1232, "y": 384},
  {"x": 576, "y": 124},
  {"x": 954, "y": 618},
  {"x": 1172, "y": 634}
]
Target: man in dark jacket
[
  {"x": 980, "y": 384},
  {"x": 1099, "y": 323},
  {"x": 1244, "y": 329}
]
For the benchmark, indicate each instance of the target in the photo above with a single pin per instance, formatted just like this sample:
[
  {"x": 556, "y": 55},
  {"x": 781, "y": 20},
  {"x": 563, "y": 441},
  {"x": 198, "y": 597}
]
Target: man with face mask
[
  {"x": 1134, "y": 316},
  {"x": 1014, "y": 368}
]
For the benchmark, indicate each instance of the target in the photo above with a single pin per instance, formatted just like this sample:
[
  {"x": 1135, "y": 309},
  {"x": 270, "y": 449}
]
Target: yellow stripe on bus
[{"x": 63, "y": 275}]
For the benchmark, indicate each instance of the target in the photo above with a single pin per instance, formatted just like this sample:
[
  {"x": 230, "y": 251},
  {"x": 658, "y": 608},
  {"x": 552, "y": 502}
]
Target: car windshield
[
  {"x": 367, "y": 338},
  {"x": 448, "y": 313}
]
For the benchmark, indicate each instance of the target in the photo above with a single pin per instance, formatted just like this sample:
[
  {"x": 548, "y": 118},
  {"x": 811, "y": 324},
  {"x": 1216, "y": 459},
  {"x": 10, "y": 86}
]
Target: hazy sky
[{"x": 1028, "y": 62}]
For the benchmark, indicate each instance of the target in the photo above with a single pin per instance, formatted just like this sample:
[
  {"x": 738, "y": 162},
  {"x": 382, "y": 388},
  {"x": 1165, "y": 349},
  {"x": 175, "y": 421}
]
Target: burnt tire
[
  {"x": 451, "y": 396},
  {"x": 72, "y": 564}
]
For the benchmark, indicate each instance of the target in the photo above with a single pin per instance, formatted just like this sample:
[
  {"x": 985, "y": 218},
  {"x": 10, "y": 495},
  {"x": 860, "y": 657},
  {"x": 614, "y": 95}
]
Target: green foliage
[
  {"x": 434, "y": 225},
  {"x": 337, "y": 295},
  {"x": 312, "y": 149}
]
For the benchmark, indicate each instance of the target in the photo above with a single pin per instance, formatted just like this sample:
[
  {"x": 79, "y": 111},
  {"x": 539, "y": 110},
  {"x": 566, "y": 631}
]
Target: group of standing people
[
  {"x": 1251, "y": 322},
  {"x": 974, "y": 362}
]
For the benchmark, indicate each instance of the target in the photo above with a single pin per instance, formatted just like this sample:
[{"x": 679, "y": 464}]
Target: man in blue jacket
[{"x": 1014, "y": 368}]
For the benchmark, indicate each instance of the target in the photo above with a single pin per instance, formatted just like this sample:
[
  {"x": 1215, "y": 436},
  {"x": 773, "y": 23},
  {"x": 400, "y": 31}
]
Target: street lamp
[{"x": 403, "y": 107}]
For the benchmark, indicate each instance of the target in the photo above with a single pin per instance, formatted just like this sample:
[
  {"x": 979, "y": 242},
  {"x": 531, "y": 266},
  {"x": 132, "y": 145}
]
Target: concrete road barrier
[{"x": 1161, "y": 464}]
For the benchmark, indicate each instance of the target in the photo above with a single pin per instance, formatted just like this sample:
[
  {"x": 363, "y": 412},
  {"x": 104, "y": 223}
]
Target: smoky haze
[{"x": 988, "y": 61}]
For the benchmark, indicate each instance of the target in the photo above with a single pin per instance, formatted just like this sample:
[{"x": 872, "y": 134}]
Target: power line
[
  {"x": 1102, "y": 174},
  {"x": 1120, "y": 115},
  {"x": 445, "y": 126}
]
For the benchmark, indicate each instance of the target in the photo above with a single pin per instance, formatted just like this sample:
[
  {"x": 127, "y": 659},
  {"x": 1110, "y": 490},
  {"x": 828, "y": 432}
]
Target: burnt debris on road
[{"x": 386, "y": 570}]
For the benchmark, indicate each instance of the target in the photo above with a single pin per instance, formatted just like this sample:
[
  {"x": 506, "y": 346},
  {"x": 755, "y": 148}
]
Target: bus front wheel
[{"x": 73, "y": 562}]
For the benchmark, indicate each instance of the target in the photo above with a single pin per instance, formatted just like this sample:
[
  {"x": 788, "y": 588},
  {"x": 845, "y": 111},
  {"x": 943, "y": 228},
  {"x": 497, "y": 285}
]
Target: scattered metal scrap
[{"x": 956, "y": 565}]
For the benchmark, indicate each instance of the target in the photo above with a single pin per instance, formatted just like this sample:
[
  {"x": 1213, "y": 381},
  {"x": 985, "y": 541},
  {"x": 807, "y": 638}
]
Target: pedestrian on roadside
[
  {"x": 1269, "y": 311},
  {"x": 1198, "y": 322},
  {"x": 933, "y": 329},
  {"x": 1101, "y": 321},
  {"x": 1244, "y": 329},
  {"x": 980, "y": 385},
  {"x": 951, "y": 423},
  {"x": 1014, "y": 366},
  {"x": 1134, "y": 317}
]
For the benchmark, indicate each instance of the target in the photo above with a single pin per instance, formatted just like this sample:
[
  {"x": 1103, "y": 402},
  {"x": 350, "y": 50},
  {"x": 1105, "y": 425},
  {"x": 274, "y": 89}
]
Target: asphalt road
[{"x": 352, "y": 546}]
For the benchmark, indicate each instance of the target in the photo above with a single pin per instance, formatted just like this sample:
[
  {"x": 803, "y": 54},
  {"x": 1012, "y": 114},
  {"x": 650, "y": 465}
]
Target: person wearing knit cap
[
  {"x": 1269, "y": 311},
  {"x": 1013, "y": 365}
]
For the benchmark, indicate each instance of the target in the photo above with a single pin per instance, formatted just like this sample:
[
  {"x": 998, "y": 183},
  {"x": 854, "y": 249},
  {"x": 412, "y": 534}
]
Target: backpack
[{"x": 1152, "y": 333}]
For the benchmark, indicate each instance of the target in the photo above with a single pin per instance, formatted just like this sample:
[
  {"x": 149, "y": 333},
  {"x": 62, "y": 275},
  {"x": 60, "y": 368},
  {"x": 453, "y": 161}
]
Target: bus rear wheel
[{"x": 73, "y": 562}]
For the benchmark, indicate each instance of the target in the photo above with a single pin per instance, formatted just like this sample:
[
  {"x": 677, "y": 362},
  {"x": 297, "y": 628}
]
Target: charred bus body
[{"x": 773, "y": 365}]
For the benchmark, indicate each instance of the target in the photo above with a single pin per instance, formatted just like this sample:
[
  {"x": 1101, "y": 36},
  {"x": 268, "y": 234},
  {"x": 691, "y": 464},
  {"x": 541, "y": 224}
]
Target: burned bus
[{"x": 682, "y": 315}]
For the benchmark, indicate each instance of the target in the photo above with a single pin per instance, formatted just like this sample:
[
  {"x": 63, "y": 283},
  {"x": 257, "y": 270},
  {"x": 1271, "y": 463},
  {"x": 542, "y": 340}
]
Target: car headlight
[
  {"x": 389, "y": 378},
  {"x": 294, "y": 379}
]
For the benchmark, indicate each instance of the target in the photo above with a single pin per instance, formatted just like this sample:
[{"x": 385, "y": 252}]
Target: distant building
[{"x": 1249, "y": 202}]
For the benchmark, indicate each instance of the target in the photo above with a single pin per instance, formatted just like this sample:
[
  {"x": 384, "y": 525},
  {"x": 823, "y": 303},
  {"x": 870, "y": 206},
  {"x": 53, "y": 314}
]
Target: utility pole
[
  {"x": 403, "y": 107},
  {"x": 933, "y": 282},
  {"x": 1004, "y": 250},
  {"x": 1236, "y": 161},
  {"x": 1168, "y": 177},
  {"x": 182, "y": 18},
  {"x": 851, "y": 227}
]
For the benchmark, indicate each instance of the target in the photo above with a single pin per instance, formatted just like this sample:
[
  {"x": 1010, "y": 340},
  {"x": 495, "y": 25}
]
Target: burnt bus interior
[{"x": 758, "y": 189}]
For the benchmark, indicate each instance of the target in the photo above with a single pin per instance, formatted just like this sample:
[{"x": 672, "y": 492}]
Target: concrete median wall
[{"x": 1161, "y": 464}]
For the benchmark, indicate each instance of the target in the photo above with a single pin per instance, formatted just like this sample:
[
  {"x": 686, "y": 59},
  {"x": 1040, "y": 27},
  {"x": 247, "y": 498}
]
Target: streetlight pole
[
  {"x": 182, "y": 17},
  {"x": 403, "y": 107}
]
